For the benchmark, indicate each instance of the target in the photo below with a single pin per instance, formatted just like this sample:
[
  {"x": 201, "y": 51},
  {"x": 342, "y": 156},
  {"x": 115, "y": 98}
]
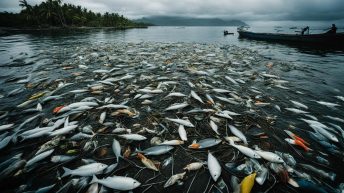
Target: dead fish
[
  {"x": 134, "y": 137},
  {"x": 11, "y": 169},
  {"x": 186, "y": 123},
  {"x": 3, "y": 114},
  {"x": 298, "y": 104},
  {"x": 85, "y": 170},
  {"x": 102, "y": 117},
  {"x": 182, "y": 133},
  {"x": 156, "y": 91},
  {"x": 227, "y": 100},
  {"x": 116, "y": 147},
  {"x": 4, "y": 142},
  {"x": 210, "y": 100},
  {"x": 195, "y": 96},
  {"x": 297, "y": 111},
  {"x": 156, "y": 150},
  {"x": 231, "y": 80},
  {"x": 193, "y": 166},
  {"x": 39, "y": 157},
  {"x": 322, "y": 173},
  {"x": 261, "y": 104},
  {"x": 223, "y": 114},
  {"x": 147, "y": 162},
  {"x": 93, "y": 188},
  {"x": 335, "y": 118},
  {"x": 214, "y": 127},
  {"x": 245, "y": 150},
  {"x": 177, "y": 106},
  {"x": 173, "y": 179},
  {"x": 6, "y": 127},
  {"x": 117, "y": 182},
  {"x": 214, "y": 167},
  {"x": 50, "y": 144},
  {"x": 173, "y": 142},
  {"x": 205, "y": 143},
  {"x": 220, "y": 90},
  {"x": 269, "y": 156},
  {"x": 327, "y": 104},
  {"x": 175, "y": 94},
  {"x": 238, "y": 133},
  {"x": 61, "y": 158},
  {"x": 340, "y": 98}
]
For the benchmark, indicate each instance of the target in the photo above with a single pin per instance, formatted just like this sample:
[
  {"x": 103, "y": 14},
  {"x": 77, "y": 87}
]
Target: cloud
[{"x": 235, "y": 9}]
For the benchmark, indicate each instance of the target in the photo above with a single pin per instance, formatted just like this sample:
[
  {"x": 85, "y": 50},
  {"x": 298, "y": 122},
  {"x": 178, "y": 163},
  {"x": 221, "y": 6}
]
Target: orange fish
[
  {"x": 194, "y": 146},
  {"x": 57, "y": 109},
  {"x": 294, "y": 136},
  {"x": 147, "y": 162},
  {"x": 298, "y": 143}
]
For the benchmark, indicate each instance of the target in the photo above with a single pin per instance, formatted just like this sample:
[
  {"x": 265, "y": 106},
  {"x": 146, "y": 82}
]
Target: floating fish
[
  {"x": 182, "y": 133},
  {"x": 134, "y": 137},
  {"x": 238, "y": 133},
  {"x": 205, "y": 143},
  {"x": 186, "y": 123},
  {"x": 214, "y": 167},
  {"x": 157, "y": 150},
  {"x": 147, "y": 162},
  {"x": 193, "y": 166},
  {"x": 195, "y": 96},
  {"x": 245, "y": 150},
  {"x": 85, "y": 170},
  {"x": 117, "y": 182},
  {"x": 173, "y": 179},
  {"x": 247, "y": 183}
]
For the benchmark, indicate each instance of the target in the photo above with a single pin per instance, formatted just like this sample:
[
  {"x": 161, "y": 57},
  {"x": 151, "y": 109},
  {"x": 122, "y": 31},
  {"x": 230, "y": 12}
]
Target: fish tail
[
  {"x": 94, "y": 179},
  {"x": 231, "y": 142},
  {"x": 67, "y": 172},
  {"x": 292, "y": 182}
]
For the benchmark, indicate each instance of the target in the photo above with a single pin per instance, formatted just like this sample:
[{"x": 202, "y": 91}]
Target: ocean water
[{"x": 317, "y": 73}]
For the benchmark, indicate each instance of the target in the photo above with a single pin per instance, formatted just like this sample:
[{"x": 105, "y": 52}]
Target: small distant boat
[
  {"x": 320, "y": 39},
  {"x": 227, "y": 33}
]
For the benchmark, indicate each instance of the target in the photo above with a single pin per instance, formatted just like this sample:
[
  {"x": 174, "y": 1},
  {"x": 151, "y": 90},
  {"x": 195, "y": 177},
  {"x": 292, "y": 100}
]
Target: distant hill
[{"x": 188, "y": 21}]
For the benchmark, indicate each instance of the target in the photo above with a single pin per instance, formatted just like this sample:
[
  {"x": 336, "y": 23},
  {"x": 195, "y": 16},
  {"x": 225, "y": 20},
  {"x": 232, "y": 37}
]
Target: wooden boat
[
  {"x": 320, "y": 39},
  {"x": 227, "y": 33}
]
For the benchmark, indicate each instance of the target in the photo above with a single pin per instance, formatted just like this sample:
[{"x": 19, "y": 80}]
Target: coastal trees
[{"x": 56, "y": 13}]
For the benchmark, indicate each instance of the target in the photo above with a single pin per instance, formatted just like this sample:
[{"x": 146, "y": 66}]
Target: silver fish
[
  {"x": 186, "y": 123},
  {"x": 117, "y": 182},
  {"x": 85, "y": 170}
]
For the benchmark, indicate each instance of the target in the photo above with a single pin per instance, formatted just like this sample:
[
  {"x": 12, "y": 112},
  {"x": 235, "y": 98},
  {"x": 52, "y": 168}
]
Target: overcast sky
[{"x": 235, "y": 9}]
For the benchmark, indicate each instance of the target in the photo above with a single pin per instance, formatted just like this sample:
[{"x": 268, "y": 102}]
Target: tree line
[{"x": 55, "y": 13}]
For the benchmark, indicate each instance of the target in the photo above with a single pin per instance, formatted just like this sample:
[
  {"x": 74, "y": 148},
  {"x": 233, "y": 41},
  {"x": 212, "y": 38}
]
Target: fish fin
[
  {"x": 94, "y": 179},
  {"x": 67, "y": 172},
  {"x": 292, "y": 182},
  {"x": 137, "y": 150}
]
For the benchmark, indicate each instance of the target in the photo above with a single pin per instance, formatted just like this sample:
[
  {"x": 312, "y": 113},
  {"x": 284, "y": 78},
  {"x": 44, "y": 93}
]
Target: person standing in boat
[
  {"x": 304, "y": 30},
  {"x": 333, "y": 30}
]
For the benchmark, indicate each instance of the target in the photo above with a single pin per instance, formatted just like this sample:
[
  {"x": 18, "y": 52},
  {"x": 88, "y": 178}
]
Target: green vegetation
[{"x": 52, "y": 13}]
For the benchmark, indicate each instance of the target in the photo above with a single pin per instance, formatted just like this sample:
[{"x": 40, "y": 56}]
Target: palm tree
[
  {"x": 27, "y": 9},
  {"x": 48, "y": 12}
]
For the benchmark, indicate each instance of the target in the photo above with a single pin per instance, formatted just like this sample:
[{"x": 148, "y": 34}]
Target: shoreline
[{"x": 10, "y": 30}]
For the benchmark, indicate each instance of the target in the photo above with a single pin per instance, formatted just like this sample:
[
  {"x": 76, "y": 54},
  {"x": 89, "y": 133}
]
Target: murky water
[{"x": 40, "y": 60}]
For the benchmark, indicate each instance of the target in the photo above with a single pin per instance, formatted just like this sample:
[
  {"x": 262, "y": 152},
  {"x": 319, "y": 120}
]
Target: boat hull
[{"x": 320, "y": 39}]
